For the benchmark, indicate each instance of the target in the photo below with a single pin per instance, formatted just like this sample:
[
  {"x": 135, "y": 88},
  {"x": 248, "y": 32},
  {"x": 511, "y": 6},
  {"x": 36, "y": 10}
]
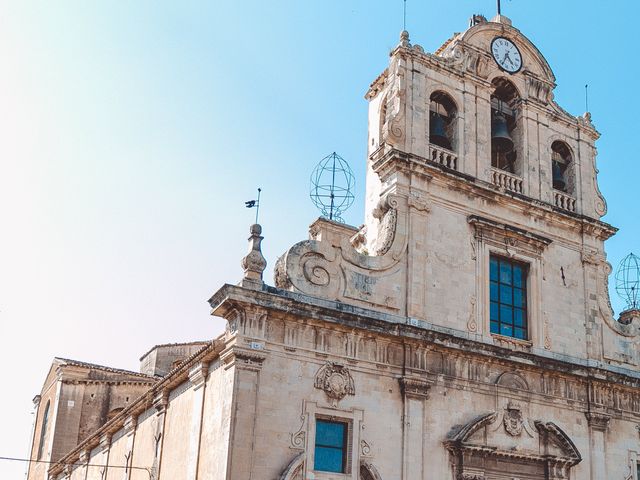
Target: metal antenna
[
  {"x": 404, "y": 16},
  {"x": 258, "y": 205},
  {"x": 254, "y": 204},
  {"x": 498, "y": 4},
  {"x": 586, "y": 97}
]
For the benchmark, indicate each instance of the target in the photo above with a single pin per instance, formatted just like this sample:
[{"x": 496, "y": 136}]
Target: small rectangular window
[
  {"x": 508, "y": 297},
  {"x": 331, "y": 446}
]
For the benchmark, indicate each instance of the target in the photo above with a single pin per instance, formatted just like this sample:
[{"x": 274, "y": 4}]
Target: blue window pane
[
  {"x": 518, "y": 276},
  {"x": 494, "y": 311},
  {"x": 518, "y": 317},
  {"x": 519, "y": 333},
  {"x": 494, "y": 327},
  {"x": 505, "y": 273},
  {"x": 518, "y": 298},
  {"x": 506, "y": 295},
  {"x": 328, "y": 459},
  {"x": 506, "y": 314},
  {"x": 493, "y": 291},
  {"x": 493, "y": 269},
  {"x": 506, "y": 330},
  {"x": 330, "y": 434}
]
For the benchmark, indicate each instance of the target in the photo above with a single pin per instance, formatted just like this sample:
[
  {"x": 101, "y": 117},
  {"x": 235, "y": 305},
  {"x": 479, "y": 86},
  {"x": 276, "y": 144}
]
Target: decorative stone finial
[
  {"x": 404, "y": 39},
  {"x": 254, "y": 263}
]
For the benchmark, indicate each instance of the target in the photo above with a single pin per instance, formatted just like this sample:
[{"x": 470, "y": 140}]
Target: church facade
[{"x": 464, "y": 332}]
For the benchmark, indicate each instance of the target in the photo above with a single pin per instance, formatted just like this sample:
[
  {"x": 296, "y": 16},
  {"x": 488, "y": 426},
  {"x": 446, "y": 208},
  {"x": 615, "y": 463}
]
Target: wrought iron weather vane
[{"x": 332, "y": 186}]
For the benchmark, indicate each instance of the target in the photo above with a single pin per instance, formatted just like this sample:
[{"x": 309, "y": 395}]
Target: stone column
[
  {"x": 198, "y": 378},
  {"x": 247, "y": 365},
  {"x": 598, "y": 424},
  {"x": 415, "y": 392}
]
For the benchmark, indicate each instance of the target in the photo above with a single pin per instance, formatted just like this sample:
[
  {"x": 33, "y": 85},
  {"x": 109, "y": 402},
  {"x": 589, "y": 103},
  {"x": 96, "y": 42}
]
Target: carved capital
[
  {"x": 198, "y": 374},
  {"x": 598, "y": 420},
  {"x": 415, "y": 387},
  {"x": 242, "y": 359},
  {"x": 84, "y": 456},
  {"x": 161, "y": 401},
  {"x": 130, "y": 424},
  {"x": 105, "y": 441}
]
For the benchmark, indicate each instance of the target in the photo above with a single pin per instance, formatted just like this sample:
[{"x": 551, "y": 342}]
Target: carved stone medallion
[
  {"x": 335, "y": 380},
  {"x": 513, "y": 419}
]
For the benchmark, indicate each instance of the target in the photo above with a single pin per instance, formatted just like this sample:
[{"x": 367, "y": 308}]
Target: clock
[{"x": 506, "y": 54}]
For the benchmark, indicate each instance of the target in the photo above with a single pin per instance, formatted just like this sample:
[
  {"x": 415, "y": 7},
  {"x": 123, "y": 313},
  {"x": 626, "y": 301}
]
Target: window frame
[
  {"x": 524, "y": 304},
  {"x": 344, "y": 448}
]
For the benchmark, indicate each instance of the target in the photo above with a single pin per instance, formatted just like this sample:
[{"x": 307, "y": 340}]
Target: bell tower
[{"x": 482, "y": 209}]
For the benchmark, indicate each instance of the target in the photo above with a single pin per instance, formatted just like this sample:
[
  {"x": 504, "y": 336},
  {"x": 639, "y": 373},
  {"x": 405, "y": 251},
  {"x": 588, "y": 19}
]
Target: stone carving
[
  {"x": 387, "y": 230},
  {"x": 547, "y": 337},
  {"x": 471, "y": 324},
  {"x": 328, "y": 266},
  {"x": 468, "y": 60},
  {"x": 299, "y": 438},
  {"x": 335, "y": 380},
  {"x": 254, "y": 263},
  {"x": 512, "y": 419},
  {"x": 294, "y": 470},
  {"x": 474, "y": 449},
  {"x": 365, "y": 448}
]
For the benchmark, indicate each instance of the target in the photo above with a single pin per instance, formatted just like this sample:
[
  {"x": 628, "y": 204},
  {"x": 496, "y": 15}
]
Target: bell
[
  {"x": 437, "y": 133},
  {"x": 559, "y": 182},
  {"x": 500, "y": 138}
]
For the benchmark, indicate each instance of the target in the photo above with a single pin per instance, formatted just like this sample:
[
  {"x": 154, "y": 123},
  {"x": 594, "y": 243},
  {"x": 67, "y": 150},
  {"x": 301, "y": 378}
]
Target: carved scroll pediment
[
  {"x": 329, "y": 266},
  {"x": 509, "y": 435}
]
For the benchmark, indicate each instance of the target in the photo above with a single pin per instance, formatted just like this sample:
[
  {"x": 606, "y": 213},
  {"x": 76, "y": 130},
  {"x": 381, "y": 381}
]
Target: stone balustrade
[
  {"x": 564, "y": 201},
  {"x": 443, "y": 157},
  {"x": 505, "y": 180}
]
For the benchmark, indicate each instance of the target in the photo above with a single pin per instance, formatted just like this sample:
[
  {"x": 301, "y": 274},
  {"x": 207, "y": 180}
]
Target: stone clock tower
[{"x": 464, "y": 332}]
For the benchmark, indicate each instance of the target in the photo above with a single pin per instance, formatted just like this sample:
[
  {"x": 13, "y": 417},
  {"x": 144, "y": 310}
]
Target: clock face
[{"x": 506, "y": 54}]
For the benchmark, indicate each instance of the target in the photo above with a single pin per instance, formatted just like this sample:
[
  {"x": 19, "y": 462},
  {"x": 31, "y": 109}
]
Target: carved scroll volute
[
  {"x": 311, "y": 267},
  {"x": 394, "y": 131}
]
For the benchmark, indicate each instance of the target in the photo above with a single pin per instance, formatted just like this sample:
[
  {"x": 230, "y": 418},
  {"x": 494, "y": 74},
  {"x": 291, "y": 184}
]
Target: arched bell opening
[
  {"x": 562, "y": 167},
  {"x": 505, "y": 129},
  {"x": 442, "y": 121}
]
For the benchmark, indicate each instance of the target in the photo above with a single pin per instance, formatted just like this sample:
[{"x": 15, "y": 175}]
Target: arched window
[
  {"x": 561, "y": 167},
  {"x": 442, "y": 121},
  {"x": 504, "y": 127},
  {"x": 43, "y": 430}
]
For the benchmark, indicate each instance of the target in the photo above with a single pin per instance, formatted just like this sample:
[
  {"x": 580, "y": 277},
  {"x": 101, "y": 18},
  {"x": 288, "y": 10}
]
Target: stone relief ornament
[
  {"x": 328, "y": 266},
  {"x": 335, "y": 380},
  {"x": 512, "y": 419},
  {"x": 299, "y": 438}
]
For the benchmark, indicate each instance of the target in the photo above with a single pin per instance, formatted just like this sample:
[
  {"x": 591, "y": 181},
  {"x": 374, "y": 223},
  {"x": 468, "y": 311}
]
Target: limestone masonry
[{"x": 464, "y": 332}]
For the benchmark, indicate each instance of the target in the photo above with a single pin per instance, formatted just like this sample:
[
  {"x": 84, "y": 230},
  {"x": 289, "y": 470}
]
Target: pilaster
[
  {"x": 198, "y": 378},
  {"x": 598, "y": 425},
  {"x": 415, "y": 392},
  {"x": 247, "y": 365}
]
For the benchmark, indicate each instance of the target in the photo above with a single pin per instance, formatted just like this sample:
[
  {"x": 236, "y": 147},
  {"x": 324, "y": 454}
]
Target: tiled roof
[{"x": 78, "y": 363}]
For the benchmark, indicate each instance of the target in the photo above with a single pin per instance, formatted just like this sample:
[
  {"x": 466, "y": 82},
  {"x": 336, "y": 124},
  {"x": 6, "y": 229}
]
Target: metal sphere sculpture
[
  {"x": 332, "y": 187},
  {"x": 628, "y": 281}
]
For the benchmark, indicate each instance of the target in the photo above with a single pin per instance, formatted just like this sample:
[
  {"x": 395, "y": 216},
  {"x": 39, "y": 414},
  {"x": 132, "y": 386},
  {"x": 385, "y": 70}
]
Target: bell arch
[
  {"x": 443, "y": 120},
  {"x": 506, "y": 127},
  {"x": 562, "y": 168}
]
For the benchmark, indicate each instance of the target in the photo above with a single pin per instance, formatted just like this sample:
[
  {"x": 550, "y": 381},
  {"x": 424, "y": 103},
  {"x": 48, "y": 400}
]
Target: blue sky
[{"x": 132, "y": 133}]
